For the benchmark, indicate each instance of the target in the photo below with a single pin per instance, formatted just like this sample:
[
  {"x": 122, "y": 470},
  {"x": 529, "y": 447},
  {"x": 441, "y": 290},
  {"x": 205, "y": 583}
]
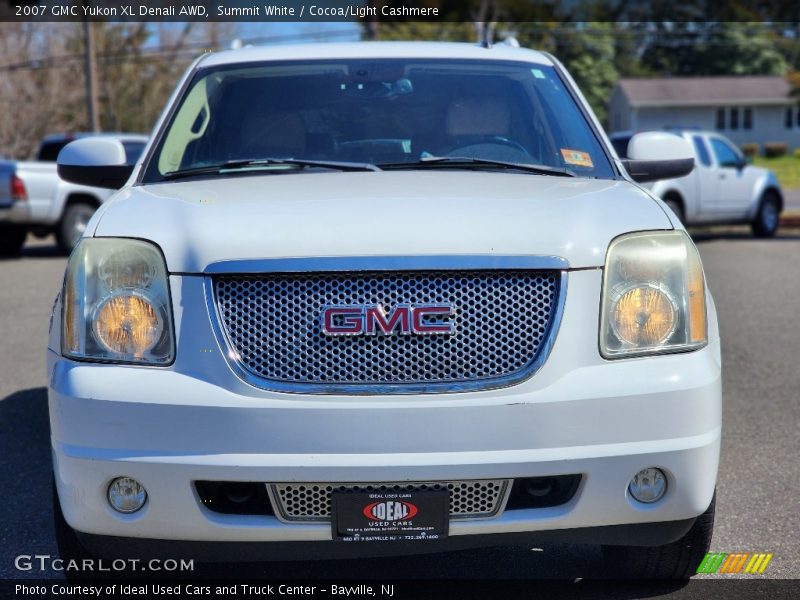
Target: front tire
[
  {"x": 72, "y": 225},
  {"x": 678, "y": 560},
  {"x": 768, "y": 217},
  {"x": 12, "y": 238}
]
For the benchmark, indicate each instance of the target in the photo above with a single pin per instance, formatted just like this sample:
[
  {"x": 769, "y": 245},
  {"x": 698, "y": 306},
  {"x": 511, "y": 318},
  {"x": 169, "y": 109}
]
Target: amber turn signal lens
[
  {"x": 698, "y": 326},
  {"x": 644, "y": 316},
  {"x": 128, "y": 324}
]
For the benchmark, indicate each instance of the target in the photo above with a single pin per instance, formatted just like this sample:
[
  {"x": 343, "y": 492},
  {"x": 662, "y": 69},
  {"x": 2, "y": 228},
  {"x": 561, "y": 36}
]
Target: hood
[{"x": 396, "y": 213}]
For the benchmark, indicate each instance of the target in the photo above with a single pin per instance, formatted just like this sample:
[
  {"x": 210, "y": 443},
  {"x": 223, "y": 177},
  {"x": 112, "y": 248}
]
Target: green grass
[{"x": 787, "y": 168}]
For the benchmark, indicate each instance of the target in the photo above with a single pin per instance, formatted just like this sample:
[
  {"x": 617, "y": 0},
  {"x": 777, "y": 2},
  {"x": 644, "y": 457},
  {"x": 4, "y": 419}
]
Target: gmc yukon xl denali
[{"x": 385, "y": 298}]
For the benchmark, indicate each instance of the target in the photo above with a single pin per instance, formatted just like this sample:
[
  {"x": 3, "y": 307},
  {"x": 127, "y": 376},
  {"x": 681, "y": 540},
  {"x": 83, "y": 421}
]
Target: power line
[
  {"x": 55, "y": 62},
  {"x": 660, "y": 38}
]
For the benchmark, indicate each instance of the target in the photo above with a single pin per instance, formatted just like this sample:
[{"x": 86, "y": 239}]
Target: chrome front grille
[
  {"x": 474, "y": 499},
  {"x": 271, "y": 322}
]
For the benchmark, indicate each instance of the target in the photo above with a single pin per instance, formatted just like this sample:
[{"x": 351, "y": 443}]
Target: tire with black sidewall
[
  {"x": 72, "y": 225},
  {"x": 678, "y": 560},
  {"x": 675, "y": 206},
  {"x": 12, "y": 238},
  {"x": 768, "y": 216}
]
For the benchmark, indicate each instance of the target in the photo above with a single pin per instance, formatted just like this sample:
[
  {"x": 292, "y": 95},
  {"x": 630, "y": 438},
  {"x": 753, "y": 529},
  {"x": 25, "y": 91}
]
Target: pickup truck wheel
[
  {"x": 12, "y": 239},
  {"x": 675, "y": 206},
  {"x": 768, "y": 216},
  {"x": 678, "y": 560},
  {"x": 72, "y": 225}
]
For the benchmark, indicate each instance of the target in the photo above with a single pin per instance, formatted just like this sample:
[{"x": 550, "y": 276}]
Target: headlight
[
  {"x": 116, "y": 303},
  {"x": 653, "y": 296}
]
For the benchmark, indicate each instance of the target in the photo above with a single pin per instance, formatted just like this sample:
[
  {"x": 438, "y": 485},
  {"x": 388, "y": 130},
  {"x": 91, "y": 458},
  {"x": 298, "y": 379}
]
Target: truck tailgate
[{"x": 7, "y": 169}]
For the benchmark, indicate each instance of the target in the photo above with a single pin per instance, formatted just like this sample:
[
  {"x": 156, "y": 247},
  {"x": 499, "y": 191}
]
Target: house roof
[{"x": 704, "y": 91}]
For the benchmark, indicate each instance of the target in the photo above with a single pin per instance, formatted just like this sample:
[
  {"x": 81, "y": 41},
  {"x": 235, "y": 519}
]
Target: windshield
[{"x": 384, "y": 112}]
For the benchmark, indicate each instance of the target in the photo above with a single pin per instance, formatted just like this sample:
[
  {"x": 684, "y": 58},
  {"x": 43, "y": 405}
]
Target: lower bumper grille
[
  {"x": 475, "y": 499},
  {"x": 311, "y": 502}
]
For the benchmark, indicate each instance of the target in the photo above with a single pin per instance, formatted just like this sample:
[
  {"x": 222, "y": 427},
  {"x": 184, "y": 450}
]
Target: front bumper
[{"x": 169, "y": 427}]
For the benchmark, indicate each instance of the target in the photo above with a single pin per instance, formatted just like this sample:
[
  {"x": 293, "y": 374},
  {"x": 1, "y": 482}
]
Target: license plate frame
[{"x": 390, "y": 515}]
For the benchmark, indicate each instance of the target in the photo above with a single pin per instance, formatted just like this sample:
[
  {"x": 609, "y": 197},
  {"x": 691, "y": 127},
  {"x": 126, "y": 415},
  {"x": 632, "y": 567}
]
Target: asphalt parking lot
[{"x": 756, "y": 284}]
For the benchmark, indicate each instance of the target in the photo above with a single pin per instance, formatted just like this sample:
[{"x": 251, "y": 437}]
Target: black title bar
[{"x": 700, "y": 11}]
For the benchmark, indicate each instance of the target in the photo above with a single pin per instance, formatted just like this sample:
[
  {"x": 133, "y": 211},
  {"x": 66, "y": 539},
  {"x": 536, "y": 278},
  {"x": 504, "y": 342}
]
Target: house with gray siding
[{"x": 745, "y": 109}]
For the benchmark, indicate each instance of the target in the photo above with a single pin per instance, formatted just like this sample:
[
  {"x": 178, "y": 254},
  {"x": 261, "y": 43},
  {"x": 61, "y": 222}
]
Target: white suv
[
  {"x": 376, "y": 298},
  {"x": 723, "y": 188}
]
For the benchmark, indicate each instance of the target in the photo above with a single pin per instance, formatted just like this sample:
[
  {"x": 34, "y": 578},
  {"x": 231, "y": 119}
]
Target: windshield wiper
[
  {"x": 465, "y": 161},
  {"x": 244, "y": 165}
]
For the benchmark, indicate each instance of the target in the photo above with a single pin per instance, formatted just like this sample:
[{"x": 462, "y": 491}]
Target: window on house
[
  {"x": 748, "y": 118},
  {"x": 701, "y": 150},
  {"x": 789, "y": 118},
  {"x": 734, "y": 118},
  {"x": 720, "y": 118}
]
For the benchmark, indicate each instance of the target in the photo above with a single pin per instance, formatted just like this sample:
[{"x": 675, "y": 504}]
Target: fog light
[
  {"x": 648, "y": 485},
  {"x": 126, "y": 495}
]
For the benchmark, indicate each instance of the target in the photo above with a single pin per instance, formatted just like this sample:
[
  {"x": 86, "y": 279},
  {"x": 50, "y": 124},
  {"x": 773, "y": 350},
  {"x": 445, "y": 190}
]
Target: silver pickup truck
[{"x": 34, "y": 199}]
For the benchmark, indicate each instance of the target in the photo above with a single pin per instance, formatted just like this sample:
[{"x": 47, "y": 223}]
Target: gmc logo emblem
[{"x": 372, "y": 319}]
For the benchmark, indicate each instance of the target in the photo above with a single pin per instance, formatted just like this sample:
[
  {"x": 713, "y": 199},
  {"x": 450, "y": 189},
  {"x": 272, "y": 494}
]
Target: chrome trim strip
[
  {"x": 381, "y": 389},
  {"x": 450, "y": 262}
]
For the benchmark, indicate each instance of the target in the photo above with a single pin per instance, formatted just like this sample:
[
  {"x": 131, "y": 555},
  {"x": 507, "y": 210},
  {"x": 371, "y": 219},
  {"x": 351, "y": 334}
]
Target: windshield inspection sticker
[{"x": 576, "y": 157}]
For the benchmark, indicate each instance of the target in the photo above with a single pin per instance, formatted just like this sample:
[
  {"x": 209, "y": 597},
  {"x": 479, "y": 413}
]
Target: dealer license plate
[{"x": 390, "y": 516}]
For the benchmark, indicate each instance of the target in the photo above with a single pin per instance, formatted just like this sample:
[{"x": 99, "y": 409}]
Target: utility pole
[
  {"x": 90, "y": 75},
  {"x": 371, "y": 29},
  {"x": 484, "y": 22}
]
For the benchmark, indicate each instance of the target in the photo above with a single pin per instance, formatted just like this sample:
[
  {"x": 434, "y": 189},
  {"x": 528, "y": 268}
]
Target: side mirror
[
  {"x": 94, "y": 161},
  {"x": 658, "y": 155}
]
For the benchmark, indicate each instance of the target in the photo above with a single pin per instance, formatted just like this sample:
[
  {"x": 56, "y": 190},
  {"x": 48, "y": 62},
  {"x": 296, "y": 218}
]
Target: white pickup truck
[
  {"x": 34, "y": 199},
  {"x": 723, "y": 187}
]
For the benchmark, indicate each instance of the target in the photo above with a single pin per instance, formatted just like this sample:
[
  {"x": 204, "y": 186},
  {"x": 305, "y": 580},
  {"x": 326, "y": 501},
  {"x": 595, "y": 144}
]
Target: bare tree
[
  {"x": 38, "y": 97},
  {"x": 138, "y": 64}
]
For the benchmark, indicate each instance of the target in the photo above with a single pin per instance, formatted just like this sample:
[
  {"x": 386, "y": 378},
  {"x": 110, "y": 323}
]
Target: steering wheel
[
  {"x": 491, "y": 147},
  {"x": 475, "y": 142}
]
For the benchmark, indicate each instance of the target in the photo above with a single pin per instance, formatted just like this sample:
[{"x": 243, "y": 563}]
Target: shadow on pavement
[
  {"x": 35, "y": 250},
  {"x": 26, "y": 525},
  {"x": 41, "y": 251}
]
